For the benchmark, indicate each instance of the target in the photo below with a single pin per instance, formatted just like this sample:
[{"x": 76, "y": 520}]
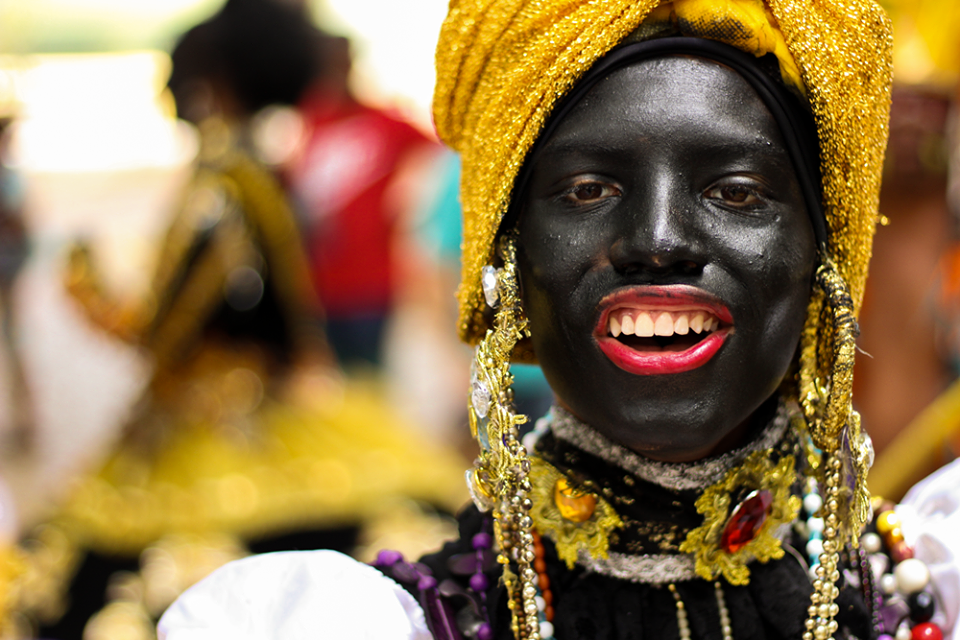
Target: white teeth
[
  {"x": 646, "y": 324},
  {"x": 664, "y": 325},
  {"x": 644, "y": 327},
  {"x": 614, "y": 326},
  {"x": 682, "y": 326},
  {"x": 696, "y": 322}
]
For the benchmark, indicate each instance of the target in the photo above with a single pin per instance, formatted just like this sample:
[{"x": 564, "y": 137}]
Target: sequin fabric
[{"x": 502, "y": 65}]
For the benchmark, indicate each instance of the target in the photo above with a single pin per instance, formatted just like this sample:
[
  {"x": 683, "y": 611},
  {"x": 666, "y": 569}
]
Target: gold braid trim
[
  {"x": 500, "y": 479},
  {"x": 826, "y": 390}
]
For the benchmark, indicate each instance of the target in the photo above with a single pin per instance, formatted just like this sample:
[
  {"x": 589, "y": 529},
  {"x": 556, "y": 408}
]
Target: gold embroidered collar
[{"x": 615, "y": 512}]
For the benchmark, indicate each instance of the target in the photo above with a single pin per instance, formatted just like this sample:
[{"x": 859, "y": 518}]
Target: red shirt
[{"x": 342, "y": 178}]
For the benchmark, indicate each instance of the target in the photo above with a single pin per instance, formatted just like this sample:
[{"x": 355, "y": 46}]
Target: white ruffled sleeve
[
  {"x": 930, "y": 513},
  {"x": 295, "y": 595}
]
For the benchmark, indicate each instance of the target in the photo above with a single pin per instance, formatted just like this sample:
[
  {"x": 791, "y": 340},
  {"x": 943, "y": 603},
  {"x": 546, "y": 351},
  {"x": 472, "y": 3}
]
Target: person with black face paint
[{"x": 670, "y": 207}]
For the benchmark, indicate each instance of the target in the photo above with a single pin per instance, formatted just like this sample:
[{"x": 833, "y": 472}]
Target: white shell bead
[
  {"x": 812, "y": 503},
  {"x": 814, "y": 547},
  {"x": 912, "y": 575},
  {"x": 888, "y": 583},
  {"x": 870, "y": 542},
  {"x": 815, "y": 525},
  {"x": 546, "y": 629}
]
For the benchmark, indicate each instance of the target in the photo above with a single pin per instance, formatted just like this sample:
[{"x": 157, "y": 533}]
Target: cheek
[
  {"x": 786, "y": 282},
  {"x": 555, "y": 253}
]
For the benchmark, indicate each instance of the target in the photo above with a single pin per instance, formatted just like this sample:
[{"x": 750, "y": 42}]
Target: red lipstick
[{"x": 679, "y": 311}]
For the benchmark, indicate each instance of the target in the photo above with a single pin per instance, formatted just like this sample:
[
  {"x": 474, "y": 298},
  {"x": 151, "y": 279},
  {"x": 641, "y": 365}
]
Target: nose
[{"x": 657, "y": 233}]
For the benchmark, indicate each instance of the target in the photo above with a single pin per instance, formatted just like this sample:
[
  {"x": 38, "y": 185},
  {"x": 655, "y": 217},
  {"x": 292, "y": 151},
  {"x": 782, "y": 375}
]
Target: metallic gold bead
[{"x": 887, "y": 522}]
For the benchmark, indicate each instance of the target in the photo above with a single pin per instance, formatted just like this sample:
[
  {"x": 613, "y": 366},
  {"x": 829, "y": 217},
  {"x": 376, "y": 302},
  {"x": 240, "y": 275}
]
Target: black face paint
[{"x": 667, "y": 189}]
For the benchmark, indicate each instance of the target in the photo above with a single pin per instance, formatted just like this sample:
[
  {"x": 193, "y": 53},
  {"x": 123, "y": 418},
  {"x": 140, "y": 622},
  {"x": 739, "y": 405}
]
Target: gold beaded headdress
[{"x": 502, "y": 67}]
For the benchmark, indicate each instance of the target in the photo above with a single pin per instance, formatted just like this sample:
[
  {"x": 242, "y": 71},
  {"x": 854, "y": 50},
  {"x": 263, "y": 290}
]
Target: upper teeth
[{"x": 645, "y": 324}]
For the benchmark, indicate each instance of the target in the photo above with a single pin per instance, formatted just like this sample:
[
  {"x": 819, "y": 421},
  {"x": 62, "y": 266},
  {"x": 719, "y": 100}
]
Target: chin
[{"x": 674, "y": 418}]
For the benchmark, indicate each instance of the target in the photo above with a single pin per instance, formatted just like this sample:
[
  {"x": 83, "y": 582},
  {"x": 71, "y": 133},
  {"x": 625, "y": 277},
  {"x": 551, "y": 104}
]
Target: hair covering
[{"x": 502, "y": 66}]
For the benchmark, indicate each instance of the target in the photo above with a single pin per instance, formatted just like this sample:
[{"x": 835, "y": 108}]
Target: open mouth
[
  {"x": 653, "y": 330},
  {"x": 662, "y": 329}
]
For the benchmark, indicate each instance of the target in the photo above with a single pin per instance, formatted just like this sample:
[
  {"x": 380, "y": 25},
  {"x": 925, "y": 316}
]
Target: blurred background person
[{"x": 348, "y": 179}]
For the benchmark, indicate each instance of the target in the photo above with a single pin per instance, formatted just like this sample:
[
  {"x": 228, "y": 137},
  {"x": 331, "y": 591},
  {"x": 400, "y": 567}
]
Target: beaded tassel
[
  {"x": 825, "y": 393},
  {"x": 499, "y": 481}
]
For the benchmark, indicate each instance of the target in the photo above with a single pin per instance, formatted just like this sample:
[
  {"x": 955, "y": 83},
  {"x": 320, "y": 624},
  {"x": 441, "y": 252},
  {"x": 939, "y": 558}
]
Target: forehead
[{"x": 670, "y": 97}]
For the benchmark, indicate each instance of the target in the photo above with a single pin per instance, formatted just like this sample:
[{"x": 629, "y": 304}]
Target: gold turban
[{"x": 502, "y": 65}]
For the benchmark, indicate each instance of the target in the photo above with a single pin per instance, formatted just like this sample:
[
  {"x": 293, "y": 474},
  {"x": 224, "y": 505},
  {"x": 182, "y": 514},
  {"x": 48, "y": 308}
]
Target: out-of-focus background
[{"x": 229, "y": 244}]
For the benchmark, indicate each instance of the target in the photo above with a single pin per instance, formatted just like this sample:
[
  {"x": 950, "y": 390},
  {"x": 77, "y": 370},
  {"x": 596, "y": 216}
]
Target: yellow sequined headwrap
[{"x": 502, "y": 65}]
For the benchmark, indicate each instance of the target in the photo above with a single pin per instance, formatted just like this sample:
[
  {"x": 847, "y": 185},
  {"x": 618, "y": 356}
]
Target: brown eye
[
  {"x": 737, "y": 196},
  {"x": 587, "y": 192}
]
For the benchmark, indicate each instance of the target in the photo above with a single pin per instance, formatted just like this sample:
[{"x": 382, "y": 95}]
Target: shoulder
[{"x": 295, "y": 595}]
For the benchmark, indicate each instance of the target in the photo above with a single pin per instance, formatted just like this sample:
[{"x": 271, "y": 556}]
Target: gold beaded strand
[{"x": 682, "y": 623}]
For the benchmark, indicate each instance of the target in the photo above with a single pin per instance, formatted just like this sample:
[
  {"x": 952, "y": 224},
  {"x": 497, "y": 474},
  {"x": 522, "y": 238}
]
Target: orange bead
[
  {"x": 548, "y": 614},
  {"x": 544, "y": 582},
  {"x": 548, "y": 597},
  {"x": 574, "y": 505},
  {"x": 887, "y": 522},
  {"x": 540, "y": 565},
  {"x": 893, "y": 537}
]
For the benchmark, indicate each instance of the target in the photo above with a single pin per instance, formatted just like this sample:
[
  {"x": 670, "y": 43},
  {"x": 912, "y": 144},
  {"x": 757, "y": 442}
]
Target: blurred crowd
[{"x": 255, "y": 348}]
